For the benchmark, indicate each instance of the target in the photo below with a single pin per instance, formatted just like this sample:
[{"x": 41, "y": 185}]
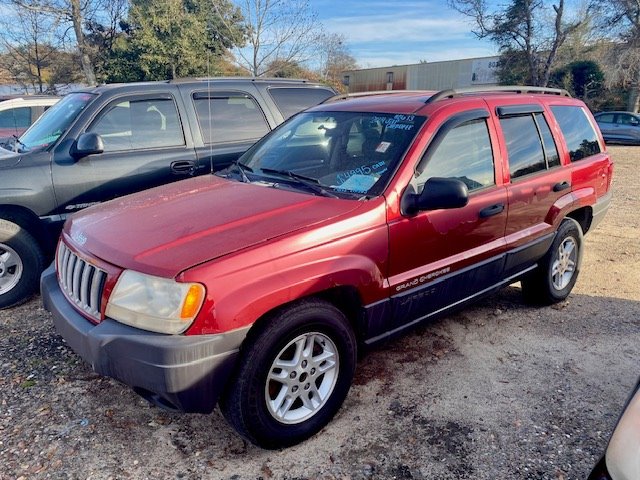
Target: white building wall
[{"x": 452, "y": 74}]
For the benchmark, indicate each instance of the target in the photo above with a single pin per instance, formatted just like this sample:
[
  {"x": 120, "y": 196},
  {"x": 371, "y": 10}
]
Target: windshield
[
  {"x": 347, "y": 153},
  {"x": 55, "y": 121}
]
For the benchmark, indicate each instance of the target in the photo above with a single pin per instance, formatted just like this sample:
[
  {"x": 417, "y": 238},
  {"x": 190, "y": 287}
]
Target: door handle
[
  {"x": 558, "y": 187},
  {"x": 183, "y": 167},
  {"x": 492, "y": 210}
]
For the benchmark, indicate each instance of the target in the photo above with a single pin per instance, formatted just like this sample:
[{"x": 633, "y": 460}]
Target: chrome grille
[{"x": 81, "y": 282}]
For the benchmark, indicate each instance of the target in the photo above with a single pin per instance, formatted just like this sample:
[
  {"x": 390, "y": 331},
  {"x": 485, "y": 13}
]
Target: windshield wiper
[
  {"x": 311, "y": 183},
  {"x": 242, "y": 168}
]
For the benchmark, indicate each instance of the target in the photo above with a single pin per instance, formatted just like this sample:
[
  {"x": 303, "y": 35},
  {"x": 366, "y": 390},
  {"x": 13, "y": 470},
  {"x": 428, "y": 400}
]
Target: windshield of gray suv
[
  {"x": 54, "y": 122},
  {"x": 339, "y": 154}
]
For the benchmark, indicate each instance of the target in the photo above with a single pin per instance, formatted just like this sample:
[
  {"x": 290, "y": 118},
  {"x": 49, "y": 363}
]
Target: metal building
[{"x": 424, "y": 76}]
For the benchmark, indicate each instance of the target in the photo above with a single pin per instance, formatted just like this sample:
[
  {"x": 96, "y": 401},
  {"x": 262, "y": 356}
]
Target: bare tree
[
  {"x": 29, "y": 40},
  {"x": 334, "y": 58},
  {"x": 283, "y": 30},
  {"x": 71, "y": 15},
  {"x": 530, "y": 28}
]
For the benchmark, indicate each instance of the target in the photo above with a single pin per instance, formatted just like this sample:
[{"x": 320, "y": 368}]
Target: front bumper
[{"x": 186, "y": 373}]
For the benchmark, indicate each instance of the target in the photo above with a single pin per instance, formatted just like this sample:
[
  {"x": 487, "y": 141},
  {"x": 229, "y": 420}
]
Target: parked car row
[
  {"x": 101, "y": 143},
  {"x": 349, "y": 224}
]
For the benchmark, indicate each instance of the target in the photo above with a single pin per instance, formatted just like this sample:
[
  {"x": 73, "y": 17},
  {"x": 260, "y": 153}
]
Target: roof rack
[
  {"x": 458, "y": 92},
  {"x": 345, "y": 96}
]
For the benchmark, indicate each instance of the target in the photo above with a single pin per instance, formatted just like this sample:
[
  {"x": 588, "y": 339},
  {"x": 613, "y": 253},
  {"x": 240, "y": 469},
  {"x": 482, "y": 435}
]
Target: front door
[
  {"x": 442, "y": 257},
  {"x": 144, "y": 146}
]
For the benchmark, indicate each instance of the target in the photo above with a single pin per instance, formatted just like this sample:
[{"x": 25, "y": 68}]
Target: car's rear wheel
[
  {"x": 294, "y": 375},
  {"x": 21, "y": 262},
  {"x": 557, "y": 272}
]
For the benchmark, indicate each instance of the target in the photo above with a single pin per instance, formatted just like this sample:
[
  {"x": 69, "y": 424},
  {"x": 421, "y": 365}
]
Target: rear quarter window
[
  {"x": 293, "y": 100},
  {"x": 579, "y": 134}
]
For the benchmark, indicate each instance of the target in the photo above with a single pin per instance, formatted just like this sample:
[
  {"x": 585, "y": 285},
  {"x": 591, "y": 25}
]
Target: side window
[
  {"x": 293, "y": 100},
  {"x": 550, "y": 150},
  {"x": 139, "y": 124},
  {"x": 578, "y": 132},
  {"x": 605, "y": 118},
  {"x": 526, "y": 154},
  {"x": 15, "y": 118},
  {"x": 626, "y": 119},
  {"x": 231, "y": 117},
  {"x": 464, "y": 153}
]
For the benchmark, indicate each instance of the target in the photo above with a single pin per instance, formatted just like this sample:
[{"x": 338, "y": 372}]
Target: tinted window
[
  {"x": 550, "y": 150},
  {"x": 139, "y": 124},
  {"x": 526, "y": 154},
  {"x": 605, "y": 118},
  {"x": 579, "y": 135},
  {"x": 15, "y": 118},
  {"x": 464, "y": 153},
  {"x": 229, "y": 118},
  {"x": 293, "y": 100}
]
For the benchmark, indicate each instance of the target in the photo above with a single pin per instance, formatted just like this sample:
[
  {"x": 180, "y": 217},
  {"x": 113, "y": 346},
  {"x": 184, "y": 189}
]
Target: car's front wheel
[
  {"x": 294, "y": 375},
  {"x": 21, "y": 262}
]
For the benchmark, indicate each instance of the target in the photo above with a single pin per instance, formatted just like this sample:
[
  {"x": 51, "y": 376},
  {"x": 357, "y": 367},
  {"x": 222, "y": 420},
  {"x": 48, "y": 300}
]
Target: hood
[
  {"x": 165, "y": 230},
  {"x": 8, "y": 158}
]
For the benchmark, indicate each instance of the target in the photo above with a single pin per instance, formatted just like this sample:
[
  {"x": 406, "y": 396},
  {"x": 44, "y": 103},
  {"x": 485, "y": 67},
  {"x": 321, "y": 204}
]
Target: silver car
[{"x": 622, "y": 127}]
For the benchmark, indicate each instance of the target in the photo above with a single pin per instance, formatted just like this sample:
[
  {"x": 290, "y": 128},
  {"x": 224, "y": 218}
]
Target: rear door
[
  {"x": 628, "y": 127},
  {"x": 228, "y": 122},
  {"x": 144, "y": 146},
  {"x": 536, "y": 181}
]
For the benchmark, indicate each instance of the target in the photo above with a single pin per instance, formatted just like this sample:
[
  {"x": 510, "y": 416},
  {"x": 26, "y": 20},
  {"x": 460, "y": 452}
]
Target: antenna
[{"x": 209, "y": 100}]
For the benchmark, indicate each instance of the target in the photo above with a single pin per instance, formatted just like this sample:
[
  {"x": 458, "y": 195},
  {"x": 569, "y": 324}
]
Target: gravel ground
[{"x": 498, "y": 391}]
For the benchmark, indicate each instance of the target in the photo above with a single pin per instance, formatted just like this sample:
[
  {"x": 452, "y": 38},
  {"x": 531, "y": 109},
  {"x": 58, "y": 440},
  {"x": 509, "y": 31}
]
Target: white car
[
  {"x": 622, "y": 457},
  {"x": 17, "y": 113}
]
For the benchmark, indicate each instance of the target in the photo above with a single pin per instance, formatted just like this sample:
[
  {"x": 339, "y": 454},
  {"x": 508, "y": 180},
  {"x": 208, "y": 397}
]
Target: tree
[
  {"x": 169, "y": 40},
  {"x": 282, "y": 30},
  {"x": 70, "y": 15},
  {"x": 621, "y": 22},
  {"x": 28, "y": 39},
  {"x": 172, "y": 38},
  {"x": 583, "y": 78},
  {"x": 335, "y": 58},
  {"x": 528, "y": 27}
]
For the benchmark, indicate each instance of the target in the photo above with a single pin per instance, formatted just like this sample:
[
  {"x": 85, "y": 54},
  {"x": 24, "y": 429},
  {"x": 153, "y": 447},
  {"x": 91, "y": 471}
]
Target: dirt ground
[{"x": 498, "y": 391}]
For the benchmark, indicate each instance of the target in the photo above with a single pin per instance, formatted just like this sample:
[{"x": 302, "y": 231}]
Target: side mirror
[
  {"x": 88, "y": 143},
  {"x": 438, "y": 193}
]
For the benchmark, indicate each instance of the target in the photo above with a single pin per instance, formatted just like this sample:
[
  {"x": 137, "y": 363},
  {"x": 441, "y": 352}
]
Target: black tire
[
  {"x": 249, "y": 403},
  {"x": 544, "y": 286},
  {"x": 21, "y": 263}
]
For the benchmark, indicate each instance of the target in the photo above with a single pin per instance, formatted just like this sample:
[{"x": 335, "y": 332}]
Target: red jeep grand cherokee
[{"x": 350, "y": 223}]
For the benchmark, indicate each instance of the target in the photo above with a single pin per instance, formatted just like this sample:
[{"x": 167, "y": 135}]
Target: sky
[{"x": 397, "y": 32}]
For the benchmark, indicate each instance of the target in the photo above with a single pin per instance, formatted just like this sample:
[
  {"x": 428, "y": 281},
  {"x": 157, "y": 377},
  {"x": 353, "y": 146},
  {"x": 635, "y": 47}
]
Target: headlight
[{"x": 154, "y": 303}]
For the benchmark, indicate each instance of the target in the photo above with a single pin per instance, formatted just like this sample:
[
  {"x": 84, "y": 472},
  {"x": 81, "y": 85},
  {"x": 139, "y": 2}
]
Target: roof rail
[
  {"x": 345, "y": 96},
  {"x": 253, "y": 79},
  {"x": 457, "y": 92}
]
